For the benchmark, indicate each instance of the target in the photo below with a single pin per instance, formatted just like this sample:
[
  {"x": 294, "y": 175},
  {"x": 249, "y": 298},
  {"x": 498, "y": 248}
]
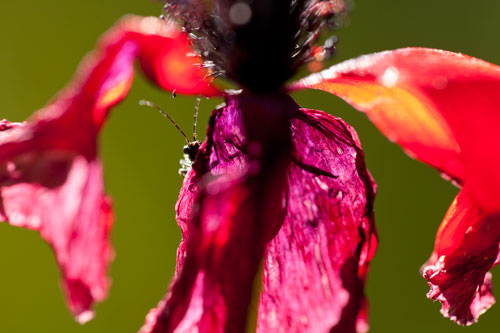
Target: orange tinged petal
[{"x": 441, "y": 107}]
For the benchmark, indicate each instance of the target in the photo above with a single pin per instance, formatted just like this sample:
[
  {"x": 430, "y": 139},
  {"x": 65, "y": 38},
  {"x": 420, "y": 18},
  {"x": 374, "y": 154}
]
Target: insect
[{"x": 191, "y": 149}]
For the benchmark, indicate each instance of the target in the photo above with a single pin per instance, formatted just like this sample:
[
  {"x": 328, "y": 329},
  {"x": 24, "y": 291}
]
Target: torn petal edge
[{"x": 466, "y": 248}]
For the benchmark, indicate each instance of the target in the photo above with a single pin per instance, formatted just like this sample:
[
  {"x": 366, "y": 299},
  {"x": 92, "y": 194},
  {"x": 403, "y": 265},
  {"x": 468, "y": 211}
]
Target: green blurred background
[{"x": 41, "y": 45}]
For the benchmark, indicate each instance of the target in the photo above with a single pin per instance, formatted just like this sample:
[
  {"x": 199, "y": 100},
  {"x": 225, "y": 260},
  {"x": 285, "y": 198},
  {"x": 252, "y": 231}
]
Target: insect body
[
  {"x": 190, "y": 152},
  {"x": 191, "y": 149}
]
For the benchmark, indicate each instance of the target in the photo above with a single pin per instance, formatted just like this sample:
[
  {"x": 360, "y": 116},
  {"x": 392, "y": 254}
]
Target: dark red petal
[
  {"x": 441, "y": 107},
  {"x": 316, "y": 294},
  {"x": 315, "y": 268},
  {"x": 237, "y": 183},
  {"x": 50, "y": 178},
  {"x": 466, "y": 249}
]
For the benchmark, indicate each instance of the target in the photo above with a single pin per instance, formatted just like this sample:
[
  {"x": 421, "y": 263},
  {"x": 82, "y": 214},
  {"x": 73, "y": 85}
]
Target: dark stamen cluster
[
  {"x": 318, "y": 15},
  {"x": 210, "y": 34},
  {"x": 248, "y": 40}
]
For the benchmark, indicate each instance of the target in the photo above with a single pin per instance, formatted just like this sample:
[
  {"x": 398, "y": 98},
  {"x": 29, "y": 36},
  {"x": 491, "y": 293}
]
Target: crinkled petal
[
  {"x": 237, "y": 182},
  {"x": 441, "y": 107},
  {"x": 50, "y": 178},
  {"x": 315, "y": 268},
  {"x": 466, "y": 249}
]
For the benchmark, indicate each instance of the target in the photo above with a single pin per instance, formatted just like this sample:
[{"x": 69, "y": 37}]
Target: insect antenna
[
  {"x": 166, "y": 115},
  {"x": 196, "y": 110}
]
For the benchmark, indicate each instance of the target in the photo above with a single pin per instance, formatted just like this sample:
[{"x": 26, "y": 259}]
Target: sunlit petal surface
[
  {"x": 237, "y": 181},
  {"x": 315, "y": 268},
  {"x": 441, "y": 107},
  {"x": 316, "y": 264}
]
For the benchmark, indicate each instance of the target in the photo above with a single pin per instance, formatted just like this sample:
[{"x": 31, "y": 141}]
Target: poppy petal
[
  {"x": 72, "y": 120},
  {"x": 75, "y": 219},
  {"x": 61, "y": 195},
  {"x": 441, "y": 107},
  {"x": 466, "y": 249},
  {"x": 315, "y": 268},
  {"x": 50, "y": 178},
  {"x": 236, "y": 184}
]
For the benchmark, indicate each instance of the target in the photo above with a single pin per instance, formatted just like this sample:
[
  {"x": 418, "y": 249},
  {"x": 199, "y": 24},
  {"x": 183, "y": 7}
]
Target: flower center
[{"x": 259, "y": 44}]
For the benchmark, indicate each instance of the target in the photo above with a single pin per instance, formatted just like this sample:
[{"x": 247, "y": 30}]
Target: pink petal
[
  {"x": 315, "y": 268},
  {"x": 50, "y": 178},
  {"x": 466, "y": 249},
  {"x": 75, "y": 218},
  {"x": 441, "y": 107},
  {"x": 236, "y": 182}
]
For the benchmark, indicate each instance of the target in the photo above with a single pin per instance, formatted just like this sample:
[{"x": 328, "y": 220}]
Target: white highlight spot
[
  {"x": 11, "y": 166},
  {"x": 240, "y": 13},
  {"x": 322, "y": 184},
  {"x": 85, "y": 317},
  {"x": 390, "y": 77},
  {"x": 440, "y": 82}
]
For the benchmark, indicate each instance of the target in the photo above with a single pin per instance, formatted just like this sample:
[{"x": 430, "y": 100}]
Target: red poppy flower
[{"x": 272, "y": 180}]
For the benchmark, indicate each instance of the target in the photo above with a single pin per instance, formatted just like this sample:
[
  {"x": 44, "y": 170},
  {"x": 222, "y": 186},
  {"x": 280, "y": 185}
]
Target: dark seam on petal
[
  {"x": 362, "y": 171},
  {"x": 286, "y": 194},
  {"x": 311, "y": 121},
  {"x": 240, "y": 148},
  {"x": 312, "y": 169}
]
